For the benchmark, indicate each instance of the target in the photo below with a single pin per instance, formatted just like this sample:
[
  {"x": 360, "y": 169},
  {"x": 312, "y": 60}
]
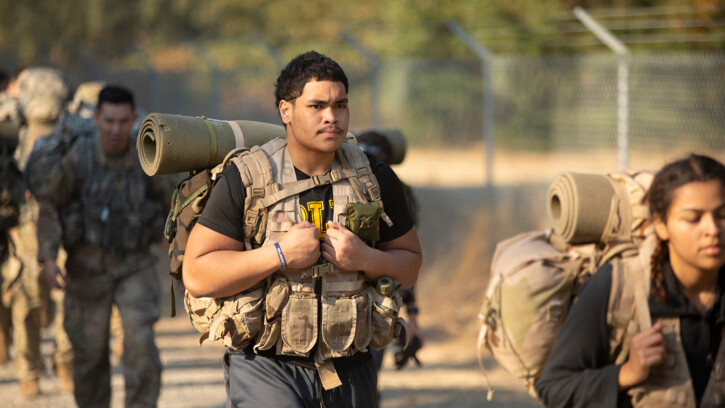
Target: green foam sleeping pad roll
[
  {"x": 170, "y": 144},
  {"x": 579, "y": 206}
]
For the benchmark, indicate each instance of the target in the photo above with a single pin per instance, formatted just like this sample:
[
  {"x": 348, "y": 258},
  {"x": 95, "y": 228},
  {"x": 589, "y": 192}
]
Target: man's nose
[{"x": 329, "y": 115}]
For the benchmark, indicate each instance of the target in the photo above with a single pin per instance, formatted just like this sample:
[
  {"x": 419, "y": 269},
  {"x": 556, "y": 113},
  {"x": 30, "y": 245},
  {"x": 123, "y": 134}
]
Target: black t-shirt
[
  {"x": 579, "y": 372},
  {"x": 224, "y": 212}
]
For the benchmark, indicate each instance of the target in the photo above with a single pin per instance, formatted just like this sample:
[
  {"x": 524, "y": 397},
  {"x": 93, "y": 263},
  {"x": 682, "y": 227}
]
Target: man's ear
[
  {"x": 661, "y": 229},
  {"x": 285, "y": 111}
]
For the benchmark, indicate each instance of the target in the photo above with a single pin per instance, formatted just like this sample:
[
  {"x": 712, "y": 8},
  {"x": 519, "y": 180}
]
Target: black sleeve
[
  {"x": 578, "y": 372},
  {"x": 224, "y": 211},
  {"x": 394, "y": 201}
]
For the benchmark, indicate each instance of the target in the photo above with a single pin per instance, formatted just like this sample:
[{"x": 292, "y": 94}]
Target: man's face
[
  {"x": 115, "y": 122},
  {"x": 317, "y": 120}
]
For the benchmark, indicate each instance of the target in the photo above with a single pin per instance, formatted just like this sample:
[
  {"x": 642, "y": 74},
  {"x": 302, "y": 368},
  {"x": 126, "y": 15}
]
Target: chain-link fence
[{"x": 555, "y": 113}]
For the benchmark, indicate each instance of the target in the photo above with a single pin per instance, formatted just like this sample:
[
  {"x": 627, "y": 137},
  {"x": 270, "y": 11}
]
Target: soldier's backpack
[
  {"x": 48, "y": 151},
  {"x": 187, "y": 203},
  {"x": 535, "y": 277}
]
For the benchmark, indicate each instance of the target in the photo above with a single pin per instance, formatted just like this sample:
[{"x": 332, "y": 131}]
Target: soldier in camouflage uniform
[
  {"x": 111, "y": 212},
  {"x": 11, "y": 120},
  {"x": 41, "y": 93}
]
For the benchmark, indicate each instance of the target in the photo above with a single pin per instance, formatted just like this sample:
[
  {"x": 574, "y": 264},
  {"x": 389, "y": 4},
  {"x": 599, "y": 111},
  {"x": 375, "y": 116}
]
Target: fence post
[
  {"x": 374, "y": 62},
  {"x": 623, "y": 55},
  {"x": 486, "y": 57}
]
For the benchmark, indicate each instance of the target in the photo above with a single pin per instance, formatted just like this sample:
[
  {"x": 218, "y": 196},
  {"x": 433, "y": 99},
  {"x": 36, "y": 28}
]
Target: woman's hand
[{"x": 646, "y": 350}]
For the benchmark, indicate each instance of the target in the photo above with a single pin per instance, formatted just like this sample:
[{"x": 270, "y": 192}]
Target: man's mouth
[{"x": 330, "y": 131}]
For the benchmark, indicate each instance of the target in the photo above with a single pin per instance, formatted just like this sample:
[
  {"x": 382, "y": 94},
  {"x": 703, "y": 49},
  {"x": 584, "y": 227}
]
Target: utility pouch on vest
[
  {"x": 299, "y": 324},
  {"x": 385, "y": 325},
  {"x": 276, "y": 300},
  {"x": 338, "y": 323},
  {"x": 363, "y": 219},
  {"x": 235, "y": 319},
  {"x": 345, "y": 325}
]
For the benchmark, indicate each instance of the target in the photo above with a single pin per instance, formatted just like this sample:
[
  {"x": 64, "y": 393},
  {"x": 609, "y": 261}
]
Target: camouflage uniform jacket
[{"x": 106, "y": 207}]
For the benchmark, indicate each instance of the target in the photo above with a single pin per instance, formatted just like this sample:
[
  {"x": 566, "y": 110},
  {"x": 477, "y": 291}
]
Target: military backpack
[{"x": 535, "y": 277}]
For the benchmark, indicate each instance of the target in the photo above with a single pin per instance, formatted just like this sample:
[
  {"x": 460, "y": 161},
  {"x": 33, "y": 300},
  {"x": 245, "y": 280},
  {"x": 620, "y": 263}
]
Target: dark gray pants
[{"x": 258, "y": 381}]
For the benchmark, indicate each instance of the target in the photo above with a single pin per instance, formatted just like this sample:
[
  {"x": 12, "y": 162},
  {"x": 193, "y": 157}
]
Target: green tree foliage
[{"x": 72, "y": 31}]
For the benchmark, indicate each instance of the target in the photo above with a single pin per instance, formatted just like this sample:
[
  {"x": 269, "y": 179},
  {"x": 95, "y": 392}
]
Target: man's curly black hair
[{"x": 306, "y": 67}]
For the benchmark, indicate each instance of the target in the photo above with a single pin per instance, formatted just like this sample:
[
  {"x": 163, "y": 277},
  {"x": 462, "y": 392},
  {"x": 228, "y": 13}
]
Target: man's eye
[{"x": 342, "y": 106}]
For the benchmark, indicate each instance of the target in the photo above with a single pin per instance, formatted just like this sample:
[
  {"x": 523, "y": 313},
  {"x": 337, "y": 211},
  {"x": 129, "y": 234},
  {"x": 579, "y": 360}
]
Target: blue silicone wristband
[{"x": 280, "y": 255}]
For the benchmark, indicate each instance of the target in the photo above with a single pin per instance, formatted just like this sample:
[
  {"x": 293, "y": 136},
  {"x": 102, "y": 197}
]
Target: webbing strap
[
  {"x": 238, "y": 135},
  {"x": 191, "y": 198},
  {"x": 328, "y": 374},
  {"x": 349, "y": 286},
  {"x": 212, "y": 142},
  {"x": 173, "y": 300},
  {"x": 299, "y": 186}
]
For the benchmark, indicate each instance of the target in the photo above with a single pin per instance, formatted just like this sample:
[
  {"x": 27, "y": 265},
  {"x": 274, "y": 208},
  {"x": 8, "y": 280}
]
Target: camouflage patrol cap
[
  {"x": 42, "y": 94},
  {"x": 85, "y": 99}
]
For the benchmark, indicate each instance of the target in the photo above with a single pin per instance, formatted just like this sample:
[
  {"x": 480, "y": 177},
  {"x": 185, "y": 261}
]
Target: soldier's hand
[
  {"x": 53, "y": 274},
  {"x": 301, "y": 245},
  {"x": 342, "y": 248},
  {"x": 647, "y": 349}
]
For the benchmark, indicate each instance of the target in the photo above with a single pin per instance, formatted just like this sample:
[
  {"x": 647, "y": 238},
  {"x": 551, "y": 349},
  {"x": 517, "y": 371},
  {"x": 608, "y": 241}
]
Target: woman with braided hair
[{"x": 678, "y": 361}]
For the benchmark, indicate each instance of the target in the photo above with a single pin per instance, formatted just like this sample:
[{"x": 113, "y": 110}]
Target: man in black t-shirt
[{"x": 311, "y": 94}]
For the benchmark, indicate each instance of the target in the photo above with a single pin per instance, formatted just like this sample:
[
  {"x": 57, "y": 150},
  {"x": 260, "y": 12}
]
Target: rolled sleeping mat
[
  {"x": 579, "y": 206},
  {"x": 174, "y": 143}
]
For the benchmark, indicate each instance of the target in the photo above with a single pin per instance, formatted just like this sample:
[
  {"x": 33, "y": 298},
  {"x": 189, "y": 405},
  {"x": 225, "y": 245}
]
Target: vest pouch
[
  {"x": 235, "y": 319},
  {"x": 72, "y": 222},
  {"x": 383, "y": 318},
  {"x": 363, "y": 219},
  {"x": 142, "y": 227},
  {"x": 299, "y": 323},
  {"x": 363, "y": 333},
  {"x": 275, "y": 301},
  {"x": 339, "y": 318},
  {"x": 197, "y": 310},
  {"x": 247, "y": 313}
]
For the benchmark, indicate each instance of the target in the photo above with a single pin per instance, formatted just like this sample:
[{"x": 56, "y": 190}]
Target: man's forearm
[
  {"x": 228, "y": 272},
  {"x": 399, "y": 264}
]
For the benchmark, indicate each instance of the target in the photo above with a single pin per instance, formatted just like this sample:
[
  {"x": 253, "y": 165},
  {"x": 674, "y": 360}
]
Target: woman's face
[{"x": 695, "y": 227}]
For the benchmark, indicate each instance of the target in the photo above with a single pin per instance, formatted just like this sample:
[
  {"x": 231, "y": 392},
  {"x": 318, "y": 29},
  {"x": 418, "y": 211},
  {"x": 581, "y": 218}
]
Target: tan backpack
[{"x": 535, "y": 277}]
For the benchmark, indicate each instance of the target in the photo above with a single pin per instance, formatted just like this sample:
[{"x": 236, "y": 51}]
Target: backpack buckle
[
  {"x": 257, "y": 192},
  {"x": 336, "y": 175},
  {"x": 318, "y": 271},
  {"x": 322, "y": 179}
]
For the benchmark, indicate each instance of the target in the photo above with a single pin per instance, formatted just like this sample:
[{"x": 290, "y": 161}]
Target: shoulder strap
[{"x": 628, "y": 309}]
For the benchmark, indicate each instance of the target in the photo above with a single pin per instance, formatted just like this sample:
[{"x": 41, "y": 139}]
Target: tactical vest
[
  {"x": 669, "y": 385},
  {"x": 116, "y": 212},
  {"x": 284, "y": 313}
]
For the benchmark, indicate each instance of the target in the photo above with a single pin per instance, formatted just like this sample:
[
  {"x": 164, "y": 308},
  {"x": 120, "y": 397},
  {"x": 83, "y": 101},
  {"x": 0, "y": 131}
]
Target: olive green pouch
[{"x": 363, "y": 219}]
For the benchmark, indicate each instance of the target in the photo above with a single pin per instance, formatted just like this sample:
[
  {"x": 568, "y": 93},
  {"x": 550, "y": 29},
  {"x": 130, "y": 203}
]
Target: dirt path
[{"x": 192, "y": 377}]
